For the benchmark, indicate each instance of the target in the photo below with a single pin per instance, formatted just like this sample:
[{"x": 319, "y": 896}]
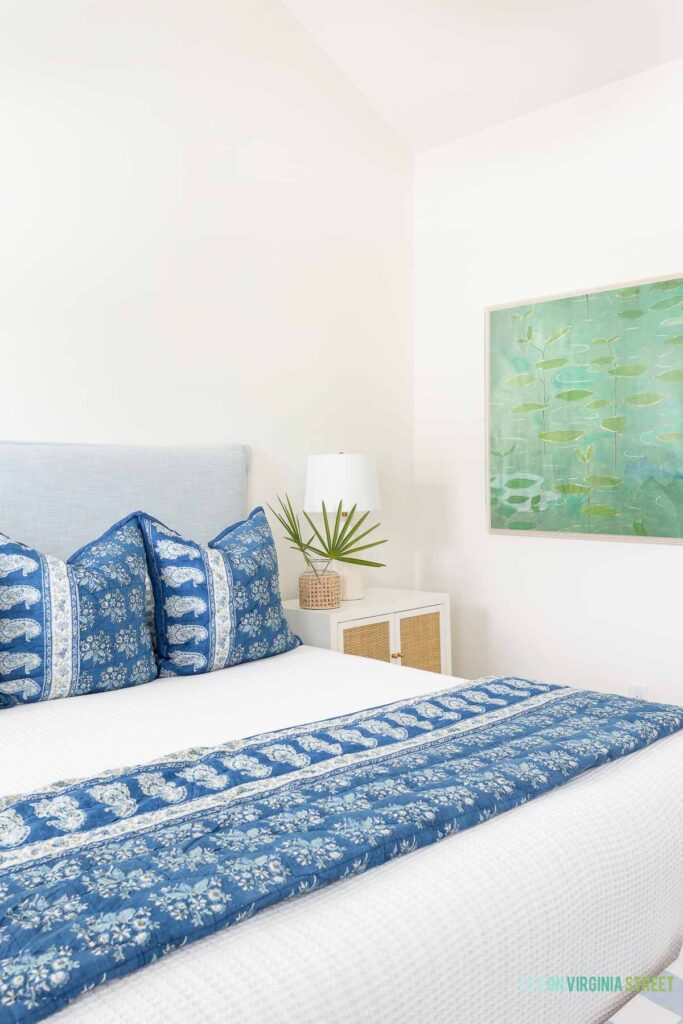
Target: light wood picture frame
[{"x": 584, "y": 399}]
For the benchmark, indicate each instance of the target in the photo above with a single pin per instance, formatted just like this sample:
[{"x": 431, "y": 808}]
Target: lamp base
[{"x": 351, "y": 581}]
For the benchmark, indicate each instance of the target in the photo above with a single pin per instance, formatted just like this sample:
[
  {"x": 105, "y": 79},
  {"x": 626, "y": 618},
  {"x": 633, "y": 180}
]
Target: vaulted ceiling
[{"x": 438, "y": 69}]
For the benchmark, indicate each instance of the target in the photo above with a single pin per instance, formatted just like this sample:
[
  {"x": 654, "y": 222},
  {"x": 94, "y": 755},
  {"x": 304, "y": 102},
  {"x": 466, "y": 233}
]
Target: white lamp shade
[{"x": 348, "y": 478}]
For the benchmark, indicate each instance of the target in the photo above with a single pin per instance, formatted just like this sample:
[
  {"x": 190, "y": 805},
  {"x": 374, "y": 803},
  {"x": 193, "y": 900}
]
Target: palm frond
[
  {"x": 356, "y": 526},
  {"x": 316, "y": 531},
  {"x": 351, "y": 541},
  {"x": 339, "y": 541},
  {"x": 363, "y": 547},
  {"x": 365, "y": 562}
]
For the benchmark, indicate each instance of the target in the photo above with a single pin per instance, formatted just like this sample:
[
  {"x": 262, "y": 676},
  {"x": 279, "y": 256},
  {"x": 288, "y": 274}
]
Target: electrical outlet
[{"x": 639, "y": 690}]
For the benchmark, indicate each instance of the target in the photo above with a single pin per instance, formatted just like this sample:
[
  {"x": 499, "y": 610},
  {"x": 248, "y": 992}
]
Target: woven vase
[{"x": 319, "y": 590}]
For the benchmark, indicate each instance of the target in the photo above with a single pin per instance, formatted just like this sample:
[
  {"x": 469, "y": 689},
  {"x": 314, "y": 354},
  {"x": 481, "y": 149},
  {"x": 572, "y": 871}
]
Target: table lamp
[{"x": 350, "y": 478}]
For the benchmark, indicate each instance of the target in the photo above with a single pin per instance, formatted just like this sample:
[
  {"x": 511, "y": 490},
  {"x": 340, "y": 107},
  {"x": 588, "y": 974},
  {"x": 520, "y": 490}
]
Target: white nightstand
[{"x": 404, "y": 627}]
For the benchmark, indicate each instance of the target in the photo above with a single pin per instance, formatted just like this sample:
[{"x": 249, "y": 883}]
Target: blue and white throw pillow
[
  {"x": 261, "y": 628},
  {"x": 219, "y": 605},
  {"x": 75, "y": 627}
]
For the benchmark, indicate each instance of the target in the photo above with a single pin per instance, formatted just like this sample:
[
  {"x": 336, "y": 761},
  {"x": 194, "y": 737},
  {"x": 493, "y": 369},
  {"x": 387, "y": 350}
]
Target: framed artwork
[{"x": 585, "y": 418}]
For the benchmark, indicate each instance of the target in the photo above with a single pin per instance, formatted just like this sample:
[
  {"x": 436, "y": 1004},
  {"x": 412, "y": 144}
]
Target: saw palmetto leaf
[
  {"x": 289, "y": 521},
  {"x": 341, "y": 545},
  {"x": 340, "y": 542},
  {"x": 316, "y": 532}
]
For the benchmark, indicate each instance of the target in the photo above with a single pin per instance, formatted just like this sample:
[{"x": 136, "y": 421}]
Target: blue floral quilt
[{"x": 101, "y": 876}]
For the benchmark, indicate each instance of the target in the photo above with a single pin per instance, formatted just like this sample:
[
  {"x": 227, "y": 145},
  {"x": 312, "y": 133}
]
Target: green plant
[{"x": 340, "y": 542}]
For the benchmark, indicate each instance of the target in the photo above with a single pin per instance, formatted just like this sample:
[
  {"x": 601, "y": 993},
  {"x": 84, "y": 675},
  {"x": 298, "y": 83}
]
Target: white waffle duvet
[{"x": 586, "y": 880}]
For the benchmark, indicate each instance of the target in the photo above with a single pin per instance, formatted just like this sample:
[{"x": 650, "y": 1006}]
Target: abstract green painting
[{"x": 586, "y": 413}]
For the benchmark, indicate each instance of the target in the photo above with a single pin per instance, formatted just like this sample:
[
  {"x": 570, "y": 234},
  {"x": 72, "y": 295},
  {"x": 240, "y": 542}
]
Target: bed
[{"x": 585, "y": 880}]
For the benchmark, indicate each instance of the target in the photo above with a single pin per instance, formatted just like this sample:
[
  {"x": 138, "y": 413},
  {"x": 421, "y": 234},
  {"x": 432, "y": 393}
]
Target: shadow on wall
[
  {"x": 438, "y": 567},
  {"x": 470, "y": 639}
]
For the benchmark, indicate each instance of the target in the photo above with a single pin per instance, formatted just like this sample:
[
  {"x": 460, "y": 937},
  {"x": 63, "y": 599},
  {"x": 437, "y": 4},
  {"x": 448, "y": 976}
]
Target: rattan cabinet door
[
  {"x": 369, "y": 638},
  {"x": 421, "y": 639}
]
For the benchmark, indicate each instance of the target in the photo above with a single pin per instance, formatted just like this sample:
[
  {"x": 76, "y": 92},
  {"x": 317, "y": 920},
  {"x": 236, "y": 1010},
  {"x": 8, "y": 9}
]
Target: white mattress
[{"x": 585, "y": 880}]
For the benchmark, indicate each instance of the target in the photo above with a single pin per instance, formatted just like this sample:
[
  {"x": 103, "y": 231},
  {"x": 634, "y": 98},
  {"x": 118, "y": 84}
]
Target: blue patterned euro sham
[
  {"x": 101, "y": 876},
  {"x": 261, "y": 628},
  {"x": 219, "y": 605},
  {"x": 69, "y": 628}
]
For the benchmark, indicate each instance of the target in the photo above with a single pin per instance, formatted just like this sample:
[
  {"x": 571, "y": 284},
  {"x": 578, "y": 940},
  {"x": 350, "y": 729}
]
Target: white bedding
[{"x": 585, "y": 880}]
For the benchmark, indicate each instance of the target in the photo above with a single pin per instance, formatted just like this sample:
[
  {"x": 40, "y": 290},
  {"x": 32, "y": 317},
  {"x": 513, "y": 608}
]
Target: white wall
[
  {"x": 205, "y": 237},
  {"x": 579, "y": 195}
]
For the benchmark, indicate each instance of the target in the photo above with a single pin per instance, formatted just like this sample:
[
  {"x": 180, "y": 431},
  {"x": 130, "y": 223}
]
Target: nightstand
[{"x": 403, "y": 627}]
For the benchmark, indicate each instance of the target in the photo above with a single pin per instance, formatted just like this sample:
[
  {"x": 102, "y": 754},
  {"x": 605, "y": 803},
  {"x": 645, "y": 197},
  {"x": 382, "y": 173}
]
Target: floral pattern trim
[
  {"x": 261, "y": 628},
  {"x": 101, "y": 876}
]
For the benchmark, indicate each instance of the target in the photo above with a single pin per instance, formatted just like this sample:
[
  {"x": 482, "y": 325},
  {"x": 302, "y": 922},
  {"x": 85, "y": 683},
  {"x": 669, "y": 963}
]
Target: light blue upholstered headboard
[{"x": 56, "y": 497}]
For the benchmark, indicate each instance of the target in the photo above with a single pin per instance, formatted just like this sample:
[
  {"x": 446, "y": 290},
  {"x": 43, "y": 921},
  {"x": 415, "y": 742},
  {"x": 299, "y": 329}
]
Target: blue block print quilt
[{"x": 101, "y": 876}]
